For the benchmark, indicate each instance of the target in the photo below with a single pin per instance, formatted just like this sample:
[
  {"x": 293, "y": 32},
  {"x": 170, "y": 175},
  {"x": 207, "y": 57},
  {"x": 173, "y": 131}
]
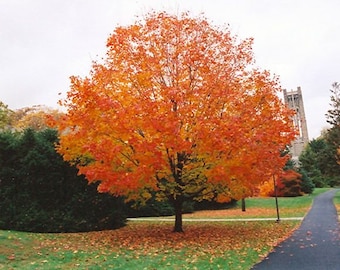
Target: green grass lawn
[
  {"x": 264, "y": 208},
  {"x": 288, "y": 207},
  {"x": 152, "y": 245},
  {"x": 145, "y": 245}
]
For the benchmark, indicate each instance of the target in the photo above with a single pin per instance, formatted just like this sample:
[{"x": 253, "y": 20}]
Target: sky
[{"x": 43, "y": 43}]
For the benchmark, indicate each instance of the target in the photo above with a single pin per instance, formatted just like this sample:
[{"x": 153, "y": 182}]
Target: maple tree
[{"x": 177, "y": 108}]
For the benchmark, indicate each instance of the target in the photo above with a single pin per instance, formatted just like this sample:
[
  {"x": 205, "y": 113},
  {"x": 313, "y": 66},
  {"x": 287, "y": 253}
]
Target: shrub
[{"x": 289, "y": 184}]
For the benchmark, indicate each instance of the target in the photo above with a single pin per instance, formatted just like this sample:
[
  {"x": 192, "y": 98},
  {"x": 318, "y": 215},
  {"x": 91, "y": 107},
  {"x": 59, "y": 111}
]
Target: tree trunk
[
  {"x": 178, "y": 215},
  {"x": 243, "y": 204}
]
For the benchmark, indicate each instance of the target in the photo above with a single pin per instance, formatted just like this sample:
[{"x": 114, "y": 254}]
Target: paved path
[{"x": 315, "y": 245}]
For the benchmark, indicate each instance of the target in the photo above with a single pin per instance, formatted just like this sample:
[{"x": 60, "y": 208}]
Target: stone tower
[{"x": 293, "y": 100}]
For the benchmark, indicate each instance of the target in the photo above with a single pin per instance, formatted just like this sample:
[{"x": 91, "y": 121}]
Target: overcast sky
[{"x": 44, "y": 42}]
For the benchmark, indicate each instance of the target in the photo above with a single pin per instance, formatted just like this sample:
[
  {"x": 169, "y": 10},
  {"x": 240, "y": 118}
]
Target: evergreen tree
[
  {"x": 333, "y": 134},
  {"x": 306, "y": 184},
  {"x": 320, "y": 160},
  {"x": 314, "y": 160},
  {"x": 42, "y": 193},
  {"x": 331, "y": 162}
]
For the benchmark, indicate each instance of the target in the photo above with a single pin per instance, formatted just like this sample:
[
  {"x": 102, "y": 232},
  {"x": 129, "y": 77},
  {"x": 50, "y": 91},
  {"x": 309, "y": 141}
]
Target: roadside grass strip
[{"x": 172, "y": 219}]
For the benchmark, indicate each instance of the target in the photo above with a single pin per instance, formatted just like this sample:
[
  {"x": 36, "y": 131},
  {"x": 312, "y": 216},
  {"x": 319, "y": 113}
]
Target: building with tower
[{"x": 293, "y": 100}]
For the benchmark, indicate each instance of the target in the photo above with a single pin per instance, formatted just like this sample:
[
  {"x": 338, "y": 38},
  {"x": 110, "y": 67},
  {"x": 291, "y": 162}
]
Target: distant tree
[
  {"x": 5, "y": 113},
  {"x": 333, "y": 134},
  {"x": 312, "y": 161},
  {"x": 32, "y": 117},
  {"x": 319, "y": 162},
  {"x": 332, "y": 167},
  {"x": 292, "y": 182},
  {"x": 289, "y": 184},
  {"x": 333, "y": 114},
  {"x": 306, "y": 185}
]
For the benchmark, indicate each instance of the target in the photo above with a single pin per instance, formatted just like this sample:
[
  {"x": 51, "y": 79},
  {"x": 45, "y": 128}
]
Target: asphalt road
[{"x": 315, "y": 245}]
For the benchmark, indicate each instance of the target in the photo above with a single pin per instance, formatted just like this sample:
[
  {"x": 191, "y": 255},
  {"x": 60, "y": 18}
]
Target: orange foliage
[
  {"x": 266, "y": 188},
  {"x": 177, "y": 107},
  {"x": 201, "y": 239},
  {"x": 32, "y": 117},
  {"x": 288, "y": 184}
]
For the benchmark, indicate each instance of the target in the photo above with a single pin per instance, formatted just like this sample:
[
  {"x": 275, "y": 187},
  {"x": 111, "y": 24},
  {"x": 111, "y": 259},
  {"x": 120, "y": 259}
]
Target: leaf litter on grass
[
  {"x": 253, "y": 212},
  {"x": 200, "y": 241},
  {"x": 152, "y": 239}
]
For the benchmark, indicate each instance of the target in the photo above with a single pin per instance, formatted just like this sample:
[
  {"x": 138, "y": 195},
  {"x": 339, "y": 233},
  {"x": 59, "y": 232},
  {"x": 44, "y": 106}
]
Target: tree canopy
[
  {"x": 24, "y": 118},
  {"x": 333, "y": 118},
  {"x": 4, "y": 115},
  {"x": 333, "y": 114},
  {"x": 321, "y": 158},
  {"x": 177, "y": 107}
]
